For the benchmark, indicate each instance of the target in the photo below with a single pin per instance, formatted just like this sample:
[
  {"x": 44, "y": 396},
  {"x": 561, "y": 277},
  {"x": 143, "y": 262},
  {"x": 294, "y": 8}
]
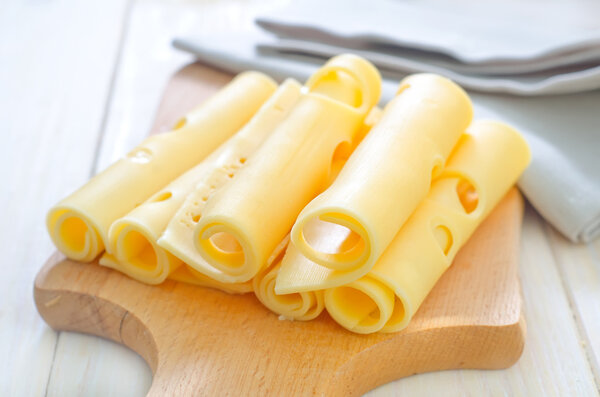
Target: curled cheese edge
[
  {"x": 258, "y": 209},
  {"x": 485, "y": 164},
  {"x": 132, "y": 239},
  {"x": 188, "y": 276},
  {"x": 78, "y": 225},
  {"x": 382, "y": 183},
  {"x": 178, "y": 235},
  {"x": 301, "y": 306},
  {"x": 306, "y": 305}
]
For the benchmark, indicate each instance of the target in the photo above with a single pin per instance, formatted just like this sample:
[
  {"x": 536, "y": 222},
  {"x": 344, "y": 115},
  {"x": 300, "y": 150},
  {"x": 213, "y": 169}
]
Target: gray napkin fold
[
  {"x": 491, "y": 46},
  {"x": 563, "y": 180},
  {"x": 469, "y": 31}
]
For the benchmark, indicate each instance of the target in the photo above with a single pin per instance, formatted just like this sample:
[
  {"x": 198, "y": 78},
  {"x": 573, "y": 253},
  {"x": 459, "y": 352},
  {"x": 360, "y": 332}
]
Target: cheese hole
[
  {"x": 443, "y": 236},
  {"x": 72, "y": 233},
  {"x": 196, "y": 218},
  {"x": 162, "y": 197},
  {"x": 468, "y": 196},
  {"x": 341, "y": 86},
  {"x": 138, "y": 251},
  {"x": 338, "y": 160},
  {"x": 242, "y": 160}
]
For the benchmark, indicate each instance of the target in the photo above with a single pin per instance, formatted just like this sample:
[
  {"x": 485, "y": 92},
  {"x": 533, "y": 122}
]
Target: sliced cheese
[
  {"x": 177, "y": 239},
  {"x": 487, "y": 161},
  {"x": 297, "y": 306},
  {"x": 302, "y": 306},
  {"x": 79, "y": 224},
  {"x": 258, "y": 208},
  {"x": 186, "y": 274},
  {"x": 305, "y": 305},
  {"x": 132, "y": 239},
  {"x": 382, "y": 183}
]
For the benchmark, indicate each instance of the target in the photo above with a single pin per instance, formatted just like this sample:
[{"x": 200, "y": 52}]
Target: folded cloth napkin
[
  {"x": 486, "y": 46},
  {"x": 563, "y": 181}
]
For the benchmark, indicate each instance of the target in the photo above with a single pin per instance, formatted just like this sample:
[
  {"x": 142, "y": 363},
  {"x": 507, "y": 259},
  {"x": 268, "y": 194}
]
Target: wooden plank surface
[
  {"x": 50, "y": 103},
  {"x": 57, "y": 60},
  {"x": 579, "y": 267}
]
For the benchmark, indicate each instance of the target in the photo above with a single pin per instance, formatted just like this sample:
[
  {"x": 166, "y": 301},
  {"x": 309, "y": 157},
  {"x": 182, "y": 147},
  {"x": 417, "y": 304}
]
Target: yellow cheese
[
  {"x": 382, "y": 183},
  {"x": 485, "y": 164},
  {"x": 132, "y": 239},
  {"x": 186, "y": 274},
  {"x": 78, "y": 225},
  {"x": 309, "y": 304},
  {"x": 177, "y": 237},
  {"x": 297, "y": 306},
  {"x": 257, "y": 209}
]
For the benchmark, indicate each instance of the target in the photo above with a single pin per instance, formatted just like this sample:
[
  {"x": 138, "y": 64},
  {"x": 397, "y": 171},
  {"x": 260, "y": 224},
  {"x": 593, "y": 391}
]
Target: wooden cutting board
[{"x": 205, "y": 342}]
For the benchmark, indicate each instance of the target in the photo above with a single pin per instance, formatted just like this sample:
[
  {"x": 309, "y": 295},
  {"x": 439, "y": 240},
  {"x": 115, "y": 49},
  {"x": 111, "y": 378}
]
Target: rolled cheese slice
[
  {"x": 177, "y": 237},
  {"x": 132, "y": 239},
  {"x": 305, "y": 305},
  {"x": 78, "y": 225},
  {"x": 382, "y": 183},
  {"x": 258, "y": 208},
  {"x": 487, "y": 161},
  {"x": 185, "y": 274},
  {"x": 296, "y": 306}
]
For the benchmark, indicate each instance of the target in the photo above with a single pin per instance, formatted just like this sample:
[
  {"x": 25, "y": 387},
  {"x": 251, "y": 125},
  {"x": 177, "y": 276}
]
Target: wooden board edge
[
  {"x": 72, "y": 311},
  {"x": 502, "y": 345}
]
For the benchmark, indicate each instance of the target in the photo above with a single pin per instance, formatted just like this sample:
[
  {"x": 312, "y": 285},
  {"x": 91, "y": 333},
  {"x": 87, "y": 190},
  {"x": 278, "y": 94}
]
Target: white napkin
[
  {"x": 563, "y": 181},
  {"x": 492, "y": 46}
]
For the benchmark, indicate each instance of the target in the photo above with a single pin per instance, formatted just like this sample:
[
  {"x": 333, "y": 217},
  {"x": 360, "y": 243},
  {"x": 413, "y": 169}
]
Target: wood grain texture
[
  {"x": 579, "y": 267},
  {"x": 48, "y": 106},
  {"x": 204, "y": 341}
]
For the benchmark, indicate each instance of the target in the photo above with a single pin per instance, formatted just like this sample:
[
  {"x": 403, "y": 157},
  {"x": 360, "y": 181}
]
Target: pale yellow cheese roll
[
  {"x": 132, "y": 239},
  {"x": 177, "y": 238},
  {"x": 258, "y": 208},
  {"x": 487, "y": 161},
  {"x": 186, "y": 274},
  {"x": 385, "y": 178},
  {"x": 78, "y": 225},
  {"x": 296, "y": 306}
]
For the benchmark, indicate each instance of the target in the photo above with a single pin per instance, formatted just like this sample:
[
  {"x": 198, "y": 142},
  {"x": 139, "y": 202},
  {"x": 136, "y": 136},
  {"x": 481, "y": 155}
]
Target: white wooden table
[{"x": 79, "y": 83}]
